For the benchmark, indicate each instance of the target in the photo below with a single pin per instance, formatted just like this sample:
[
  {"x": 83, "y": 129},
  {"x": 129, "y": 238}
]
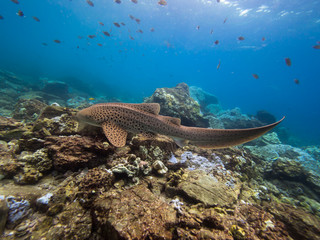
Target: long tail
[{"x": 223, "y": 138}]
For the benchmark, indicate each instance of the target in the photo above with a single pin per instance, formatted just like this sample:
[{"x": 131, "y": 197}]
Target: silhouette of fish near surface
[{"x": 117, "y": 119}]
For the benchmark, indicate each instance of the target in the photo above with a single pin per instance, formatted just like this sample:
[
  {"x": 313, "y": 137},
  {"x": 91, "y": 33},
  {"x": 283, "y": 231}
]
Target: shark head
[{"x": 85, "y": 115}]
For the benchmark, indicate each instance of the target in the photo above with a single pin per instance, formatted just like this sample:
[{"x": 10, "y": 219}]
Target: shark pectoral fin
[
  {"x": 116, "y": 135},
  {"x": 81, "y": 126},
  {"x": 180, "y": 142}
]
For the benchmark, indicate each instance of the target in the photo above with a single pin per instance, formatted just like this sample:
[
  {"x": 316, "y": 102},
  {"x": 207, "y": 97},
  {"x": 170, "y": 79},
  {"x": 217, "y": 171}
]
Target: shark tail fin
[{"x": 223, "y": 138}]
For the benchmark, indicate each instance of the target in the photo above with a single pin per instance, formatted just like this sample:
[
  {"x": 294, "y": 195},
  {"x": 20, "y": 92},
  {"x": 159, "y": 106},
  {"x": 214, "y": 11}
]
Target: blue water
[{"x": 177, "y": 51}]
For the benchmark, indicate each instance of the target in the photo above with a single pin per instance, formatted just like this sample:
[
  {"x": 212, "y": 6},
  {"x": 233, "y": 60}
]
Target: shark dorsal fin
[
  {"x": 153, "y": 108},
  {"x": 175, "y": 121},
  {"x": 116, "y": 135}
]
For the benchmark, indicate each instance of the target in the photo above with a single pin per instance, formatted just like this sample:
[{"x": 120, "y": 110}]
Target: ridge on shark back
[{"x": 117, "y": 119}]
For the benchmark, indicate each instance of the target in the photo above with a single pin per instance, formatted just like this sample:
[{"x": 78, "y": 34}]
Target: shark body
[{"x": 117, "y": 119}]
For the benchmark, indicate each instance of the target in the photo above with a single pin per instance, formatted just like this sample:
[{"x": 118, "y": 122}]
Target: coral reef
[
  {"x": 61, "y": 182},
  {"x": 119, "y": 221},
  {"x": 207, "y": 101},
  {"x": 28, "y": 109},
  {"x": 265, "y": 117},
  {"x": 74, "y": 152},
  {"x": 176, "y": 102},
  {"x": 235, "y": 119}
]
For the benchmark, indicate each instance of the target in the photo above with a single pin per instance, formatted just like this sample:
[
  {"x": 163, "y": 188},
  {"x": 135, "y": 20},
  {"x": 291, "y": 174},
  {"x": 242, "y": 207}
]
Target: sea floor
[{"x": 60, "y": 181}]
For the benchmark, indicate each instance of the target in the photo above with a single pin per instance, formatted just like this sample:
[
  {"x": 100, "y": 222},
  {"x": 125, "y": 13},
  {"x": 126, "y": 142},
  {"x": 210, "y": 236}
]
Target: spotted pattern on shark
[{"x": 117, "y": 119}]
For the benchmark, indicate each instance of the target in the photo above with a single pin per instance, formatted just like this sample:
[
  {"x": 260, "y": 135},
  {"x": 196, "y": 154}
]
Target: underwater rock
[
  {"x": 266, "y": 139},
  {"x": 285, "y": 168},
  {"x": 77, "y": 102},
  {"x": 265, "y": 117},
  {"x": 57, "y": 88},
  {"x": 29, "y": 175},
  {"x": 74, "y": 152},
  {"x": 159, "y": 167},
  {"x": 11, "y": 129},
  {"x": 38, "y": 160},
  {"x": 159, "y": 147},
  {"x": 4, "y": 210},
  {"x": 29, "y": 143},
  {"x": 235, "y": 119},
  {"x": 215, "y": 122},
  {"x": 176, "y": 102},
  {"x": 18, "y": 209},
  {"x": 272, "y": 152},
  {"x": 198, "y": 187},
  {"x": 72, "y": 223},
  {"x": 94, "y": 183},
  {"x": 55, "y": 120},
  {"x": 43, "y": 202},
  {"x": 9, "y": 170},
  {"x": 299, "y": 223},
  {"x": 55, "y": 111},
  {"x": 207, "y": 101},
  {"x": 28, "y": 109},
  {"x": 314, "y": 151},
  {"x": 127, "y": 214}
]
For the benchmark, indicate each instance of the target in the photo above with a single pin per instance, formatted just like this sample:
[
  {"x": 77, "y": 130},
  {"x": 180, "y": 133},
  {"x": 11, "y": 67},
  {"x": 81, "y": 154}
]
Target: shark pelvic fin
[
  {"x": 180, "y": 142},
  {"x": 116, "y": 135}
]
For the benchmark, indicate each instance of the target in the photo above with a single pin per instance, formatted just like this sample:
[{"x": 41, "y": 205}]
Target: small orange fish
[
  {"x": 132, "y": 17},
  {"x": 316, "y": 46},
  {"x": 20, "y": 13},
  {"x": 57, "y": 41},
  {"x": 134, "y": 1},
  {"x": 122, "y": 23},
  {"x": 90, "y": 3},
  {"x": 255, "y": 76},
  {"x": 218, "y": 66},
  {"x": 36, "y": 19},
  {"x": 99, "y": 44},
  {"x": 263, "y": 38},
  {"x": 151, "y": 29},
  {"x": 15, "y": 1},
  {"x": 116, "y": 24},
  {"x": 106, "y": 33},
  {"x": 224, "y": 21},
  {"x": 162, "y": 2},
  {"x": 91, "y": 36},
  {"x": 288, "y": 61},
  {"x": 91, "y": 99},
  {"x": 241, "y": 38},
  {"x": 296, "y": 81},
  {"x": 216, "y": 42},
  {"x": 138, "y": 20},
  {"x": 117, "y": 1},
  {"x": 101, "y": 23},
  {"x": 140, "y": 31}
]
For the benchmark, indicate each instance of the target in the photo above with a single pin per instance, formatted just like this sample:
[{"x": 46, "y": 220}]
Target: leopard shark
[{"x": 117, "y": 119}]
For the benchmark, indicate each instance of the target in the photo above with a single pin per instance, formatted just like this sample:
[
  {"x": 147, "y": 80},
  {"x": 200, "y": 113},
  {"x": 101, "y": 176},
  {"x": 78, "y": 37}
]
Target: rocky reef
[
  {"x": 176, "y": 102},
  {"x": 60, "y": 181}
]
